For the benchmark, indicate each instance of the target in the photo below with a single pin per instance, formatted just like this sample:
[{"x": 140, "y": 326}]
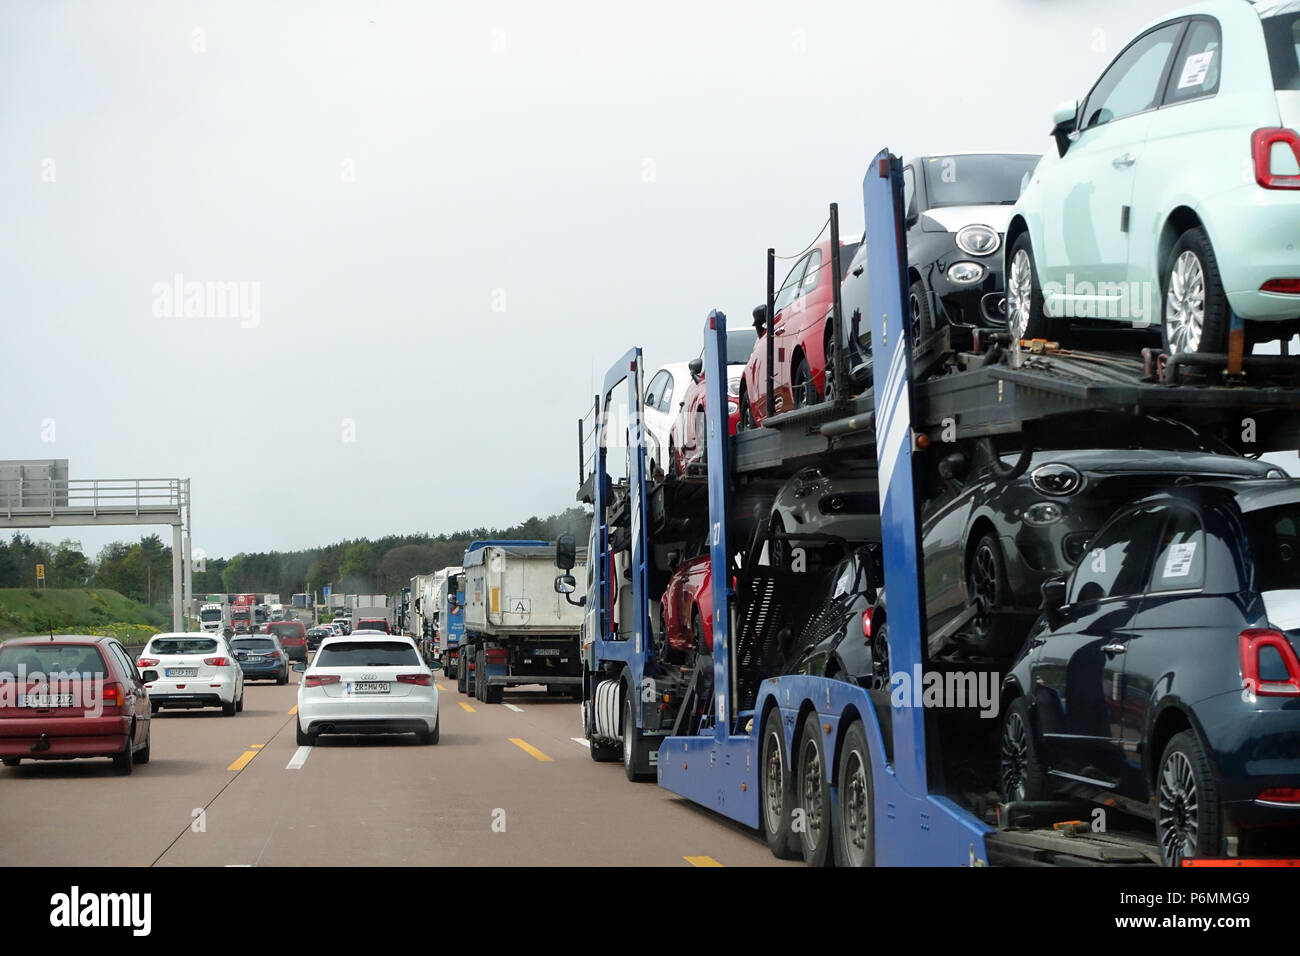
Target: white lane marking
[
  {"x": 298, "y": 759},
  {"x": 517, "y": 710},
  {"x": 581, "y": 742}
]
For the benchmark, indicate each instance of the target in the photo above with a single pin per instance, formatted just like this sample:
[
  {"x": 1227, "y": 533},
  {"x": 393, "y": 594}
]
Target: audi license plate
[
  {"x": 181, "y": 672},
  {"x": 45, "y": 700},
  {"x": 368, "y": 687}
]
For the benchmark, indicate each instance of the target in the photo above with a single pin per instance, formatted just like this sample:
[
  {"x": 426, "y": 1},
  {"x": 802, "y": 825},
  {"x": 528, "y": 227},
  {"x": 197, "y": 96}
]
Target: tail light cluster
[
  {"x": 112, "y": 695},
  {"x": 423, "y": 680},
  {"x": 1264, "y": 144},
  {"x": 1269, "y": 667},
  {"x": 217, "y": 661},
  {"x": 148, "y": 662},
  {"x": 866, "y": 622},
  {"x": 496, "y": 655},
  {"x": 319, "y": 680}
]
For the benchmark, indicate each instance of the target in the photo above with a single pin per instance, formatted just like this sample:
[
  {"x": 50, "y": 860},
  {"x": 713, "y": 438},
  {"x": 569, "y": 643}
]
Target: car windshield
[
  {"x": 212, "y": 614},
  {"x": 181, "y": 645},
  {"x": 977, "y": 180},
  {"x": 1129, "y": 432},
  {"x": 740, "y": 345},
  {"x": 1282, "y": 38},
  {"x": 367, "y": 654},
  {"x": 253, "y": 644},
  {"x": 49, "y": 659}
]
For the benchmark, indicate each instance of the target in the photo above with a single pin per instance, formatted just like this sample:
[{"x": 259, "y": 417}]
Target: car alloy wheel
[
  {"x": 914, "y": 306},
  {"x": 1185, "y": 303},
  {"x": 1020, "y": 293},
  {"x": 1178, "y": 809},
  {"x": 1014, "y": 764}
]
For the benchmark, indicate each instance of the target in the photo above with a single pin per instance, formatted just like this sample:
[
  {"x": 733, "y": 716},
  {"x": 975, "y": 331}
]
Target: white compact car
[
  {"x": 368, "y": 683},
  {"x": 192, "y": 670},
  {"x": 663, "y": 397}
]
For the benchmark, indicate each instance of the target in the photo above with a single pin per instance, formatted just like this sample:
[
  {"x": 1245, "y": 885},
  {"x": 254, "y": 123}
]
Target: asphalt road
[{"x": 506, "y": 785}]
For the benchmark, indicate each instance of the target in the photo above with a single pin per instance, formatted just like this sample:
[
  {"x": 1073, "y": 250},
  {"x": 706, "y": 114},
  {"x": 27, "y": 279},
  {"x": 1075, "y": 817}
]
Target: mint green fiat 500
[{"x": 1172, "y": 199}]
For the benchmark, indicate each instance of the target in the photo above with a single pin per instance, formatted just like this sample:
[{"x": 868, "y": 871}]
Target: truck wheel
[
  {"x": 603, "y": 752},
  {"x": 633, "y": 743},
  {"x": 854, "y": 815},
  {"x": 494, "y": 692},
  {"x": 813, "y": 795},
  {"x": 480, "y": 675},
  {"x": 776, "y": 795}
]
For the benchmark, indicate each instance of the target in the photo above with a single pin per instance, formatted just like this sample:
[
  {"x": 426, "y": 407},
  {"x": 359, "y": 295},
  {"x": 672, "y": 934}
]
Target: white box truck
[{"x": 518, "y": 630}]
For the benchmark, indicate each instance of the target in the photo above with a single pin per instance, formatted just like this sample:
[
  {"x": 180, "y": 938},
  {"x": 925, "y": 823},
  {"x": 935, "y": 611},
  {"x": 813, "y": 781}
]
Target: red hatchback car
[
  {"x": 686, "y": 610},
  {"x": 801, "y": 335},
  {"x": 687, "y": 442},
  {"x": 293, "y": 638},
  {"x": 72, "y": 696}
]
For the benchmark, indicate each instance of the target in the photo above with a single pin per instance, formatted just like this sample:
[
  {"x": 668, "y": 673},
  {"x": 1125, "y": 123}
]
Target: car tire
[
  {"x": 746, "y": 422},
  {"x": 1190, "y": 276},
  {"x": 803, "y": 388},
  {"x": 153, "y": 707},
  {"x": 854, "y": 825},
  {"x": 813, "y": 795},
  {"x": 672, "y": 469},
  {"x": 986, "y": 582},
  {"x": 228, "y": 710},
  {"x": 1026, "y": 314},
  {"x": 304, "y": 739},
  {"x": 1187, "y": 798},
  {"x": 1021, "y": 775},
  {"x": 880, "y": 651},
  {"x": 143, "y": 756},
  {"x": 11, "y": 761},
  {"x": 124, "y": 762},
  {"x": 776, "y": 790},
  {"x": 437, "y": 728},
  {"x": 918, "y": 305},
  {"x": 239, "y": 704},
  {"x": 633, "y": 742},
  {"x": 697, "y": 632}
]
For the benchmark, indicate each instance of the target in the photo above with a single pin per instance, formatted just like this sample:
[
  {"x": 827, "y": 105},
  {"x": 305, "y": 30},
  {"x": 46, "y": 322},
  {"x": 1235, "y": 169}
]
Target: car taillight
[
  {"x": 319, "y": 680},
  {"x": 1280, "y": 795},
  {"x": 424, "y": 680},
  {"x": 1284, "y": 286},
  {"x": 112, "y": 695},
  {"x": 147, "y": 662},
  {"x": 1266, "y": 655},
  {"x": 1262, "y": 147},
  {"x": 495, "y": 655},
  {"x": 217, "y": 661},
  {"x": 866, "y": 623}
]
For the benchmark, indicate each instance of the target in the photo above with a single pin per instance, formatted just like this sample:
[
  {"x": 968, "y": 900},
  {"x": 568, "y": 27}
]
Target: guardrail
[{"x": 93, "y": 496}]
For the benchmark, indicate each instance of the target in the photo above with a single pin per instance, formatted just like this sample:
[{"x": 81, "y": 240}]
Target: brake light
[
  {"x": 1253, "y": 644},
  {"x": 495, "y": 655},
  {"x": 320, "y": 680},
  {"x": 147, "y": 662},
  {"x": 112, "y": 695},
  {"x": 1284, "y": 286},
  {"x": 217, "y": 661},
  {"x": 1280, "y": 795},
  {"x": 1262, "y": 142},
  {"x": 424, "y": 680},
  {"x": 866, "y": 622}
]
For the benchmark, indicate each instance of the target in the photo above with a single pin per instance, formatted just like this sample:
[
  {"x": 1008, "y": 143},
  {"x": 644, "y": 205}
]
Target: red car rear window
[{"x": 51, "y": 659}]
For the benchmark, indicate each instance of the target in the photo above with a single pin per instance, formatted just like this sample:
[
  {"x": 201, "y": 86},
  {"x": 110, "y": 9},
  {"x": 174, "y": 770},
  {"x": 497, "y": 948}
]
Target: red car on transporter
[
  {"x": 686, "y": 610},
  {"x": 686, "y": 442},
  {"x": 802, "y": 332},
  {"x": 72, "y": 696}
]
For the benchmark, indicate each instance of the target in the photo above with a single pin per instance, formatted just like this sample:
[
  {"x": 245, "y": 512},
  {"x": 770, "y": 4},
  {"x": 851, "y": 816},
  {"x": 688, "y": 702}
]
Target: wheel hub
[
  {"x": 775, "y": 783},
  {"x": 1185, "y": 303},
  {"x": 1177, "y": 813},
  {"x": 1019, "y": 294}
]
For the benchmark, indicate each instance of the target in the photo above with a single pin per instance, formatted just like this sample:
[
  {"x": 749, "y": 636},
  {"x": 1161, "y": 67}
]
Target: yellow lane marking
[
  {"x": 256, "y": 746},
  {"x": 526, "y": 747},
  {"x": 467, "y": 707},
  {"x": 701, "y": 861},
  {"x": 294, "y": 710},
  {"x": 244, "y": 759}
]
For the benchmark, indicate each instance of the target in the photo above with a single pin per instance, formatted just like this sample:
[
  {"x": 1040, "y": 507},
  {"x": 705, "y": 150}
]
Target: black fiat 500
[{"x": 1163, "y": 677}]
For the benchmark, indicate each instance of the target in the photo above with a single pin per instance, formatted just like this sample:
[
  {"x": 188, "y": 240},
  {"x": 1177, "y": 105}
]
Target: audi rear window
[
  {"x": 181, "y": 645},
  {"x": 367, "y": 654},
  {"x": 51, "y": 659}
]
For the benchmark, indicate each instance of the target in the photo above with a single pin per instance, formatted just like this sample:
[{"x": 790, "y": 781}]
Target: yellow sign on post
[{"x": 40, "y": 572}]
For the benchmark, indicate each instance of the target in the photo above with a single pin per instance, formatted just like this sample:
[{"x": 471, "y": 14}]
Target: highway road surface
[{"x": 507, "y": 785}]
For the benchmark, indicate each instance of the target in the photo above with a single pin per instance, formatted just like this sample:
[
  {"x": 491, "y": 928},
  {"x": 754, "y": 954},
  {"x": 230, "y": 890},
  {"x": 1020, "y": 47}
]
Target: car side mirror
[
  {"x": 760, "y": 318},
  {"x": 696, "y": 367},
  {"x": 1053, "y": 594},
  {"x": 565, "y": 584},
  {"x": 435, "y": 665},
  {"x": 566, "y": 552},
  {"x": 953, "y": 466},
  {"x": 1065, "y": 120},
  {"x": 299, "y": 666},
  {"x": 148, "y": 677}
]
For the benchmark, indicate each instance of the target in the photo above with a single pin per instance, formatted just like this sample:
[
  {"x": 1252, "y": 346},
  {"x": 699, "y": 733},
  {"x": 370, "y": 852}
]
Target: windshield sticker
[
  {"x": 1179, "y": 562},
  {"x": 1195, "y": 67}
]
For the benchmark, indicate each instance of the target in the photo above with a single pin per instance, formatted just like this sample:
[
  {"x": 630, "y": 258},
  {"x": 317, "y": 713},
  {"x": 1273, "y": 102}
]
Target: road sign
[
  {"x": 40, "y": 572},
  {"x": 327, "y": 590}
]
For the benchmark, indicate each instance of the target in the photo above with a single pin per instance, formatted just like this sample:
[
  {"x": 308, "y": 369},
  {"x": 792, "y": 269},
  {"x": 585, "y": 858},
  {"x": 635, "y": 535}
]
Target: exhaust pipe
[{"x": 41, "y": 745}]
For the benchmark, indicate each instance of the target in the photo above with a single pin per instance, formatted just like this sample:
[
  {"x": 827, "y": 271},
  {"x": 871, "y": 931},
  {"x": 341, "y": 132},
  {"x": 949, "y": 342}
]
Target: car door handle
[
  {"x": 1113, "y": 649},
  {"x": 1123, "y": 162}
]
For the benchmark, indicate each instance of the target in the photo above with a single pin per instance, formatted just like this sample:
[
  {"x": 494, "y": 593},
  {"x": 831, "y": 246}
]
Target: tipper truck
[
  {"x": 518, "y": 630},
  {"x": 449, "y": 617}
]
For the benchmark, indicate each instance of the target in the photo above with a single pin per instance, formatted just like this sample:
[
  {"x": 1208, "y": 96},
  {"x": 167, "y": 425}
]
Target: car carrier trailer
[{"x": 875, "y": 776}]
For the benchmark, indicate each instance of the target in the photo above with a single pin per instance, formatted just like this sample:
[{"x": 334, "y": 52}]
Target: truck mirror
[
  {"x": 566, "y": 552},
  {"x": 565, "y": 584}
]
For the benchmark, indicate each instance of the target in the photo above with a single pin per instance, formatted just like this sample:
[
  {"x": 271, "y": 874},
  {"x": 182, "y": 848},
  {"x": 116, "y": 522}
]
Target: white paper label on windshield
[
  {"x": 1179, "y": 562},
  {"x": 1195, "y": 67}
]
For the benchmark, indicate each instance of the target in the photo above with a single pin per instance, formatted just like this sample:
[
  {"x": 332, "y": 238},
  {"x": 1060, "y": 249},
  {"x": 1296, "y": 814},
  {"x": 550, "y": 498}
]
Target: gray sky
[{"x": 455, "y": 217}]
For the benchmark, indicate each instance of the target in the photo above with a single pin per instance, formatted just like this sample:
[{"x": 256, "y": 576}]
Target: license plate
[
  {"x": 181, "y": 672},
  {"x": 368, "y": 687},
  {"x": 256, "y": 660},
  {"x": 45, "y": 700},
  {"x": 546, "y": 652}
]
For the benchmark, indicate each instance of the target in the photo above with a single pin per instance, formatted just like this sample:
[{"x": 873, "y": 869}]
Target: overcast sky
[{"x": 449, "y": 219}]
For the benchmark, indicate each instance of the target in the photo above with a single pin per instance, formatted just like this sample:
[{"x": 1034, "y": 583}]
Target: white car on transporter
[{"x": 368, "y": 683}]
